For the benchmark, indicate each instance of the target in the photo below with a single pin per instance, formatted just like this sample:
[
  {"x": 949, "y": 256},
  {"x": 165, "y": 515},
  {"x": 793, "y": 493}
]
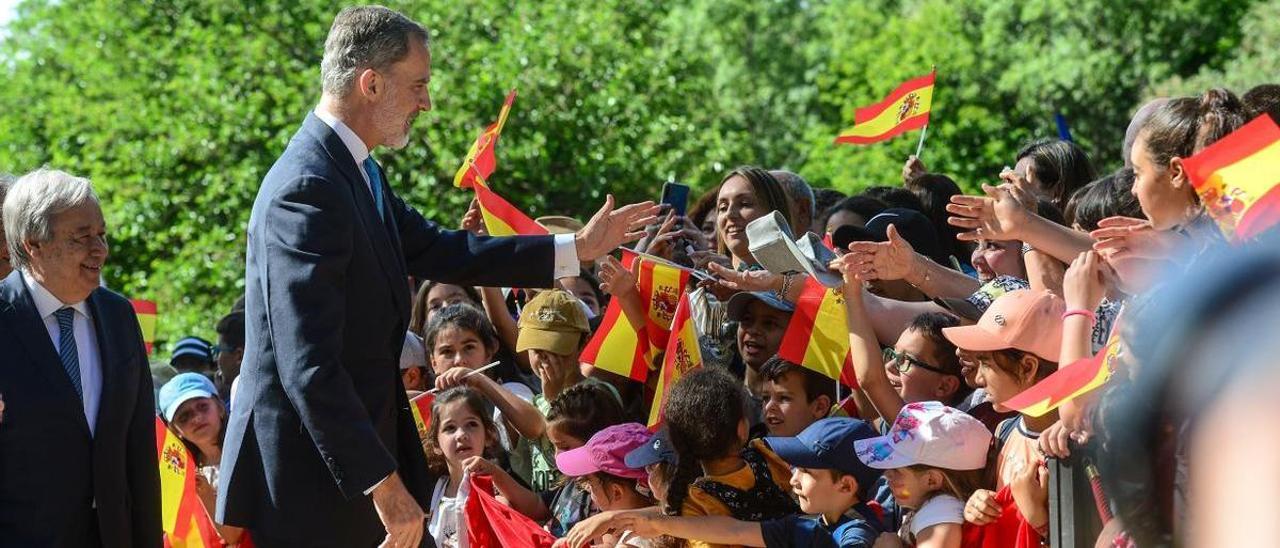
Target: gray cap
[
  {"x": 737, "y": 305},
  {"x": 770, "y": 241}
]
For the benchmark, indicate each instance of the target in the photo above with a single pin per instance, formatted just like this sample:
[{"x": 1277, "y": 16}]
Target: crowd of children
[{"x": 953, "y": 305}]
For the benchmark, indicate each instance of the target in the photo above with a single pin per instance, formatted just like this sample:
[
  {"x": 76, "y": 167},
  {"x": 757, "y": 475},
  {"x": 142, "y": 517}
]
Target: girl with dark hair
[
  {"x": 720, "y": 474},
  {"x": 935, "y": 191},
  {"x": 576, "y": 415},
  {"x": 462, "y": 440},
  {"x": 1054, "y": 169},
  {"x": 1110, "y": 196},
  {"x": 1177, "y": 130},
  {"x": 433, "y": 296}
]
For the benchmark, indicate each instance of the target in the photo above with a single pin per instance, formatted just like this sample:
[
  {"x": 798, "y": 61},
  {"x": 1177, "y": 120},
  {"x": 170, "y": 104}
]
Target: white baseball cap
[
  {"x": 931, "y": 434},
  {"x": 413, "y": 353}
]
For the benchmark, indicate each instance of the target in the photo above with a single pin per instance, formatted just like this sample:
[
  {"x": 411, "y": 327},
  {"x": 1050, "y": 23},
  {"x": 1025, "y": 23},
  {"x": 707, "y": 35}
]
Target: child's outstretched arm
[
  {"x": 864, "y": 348},
  {"x": 515, "y": 495},
  {"x": 651, "y": 522},
  {"x": 522, "y": 415},
  {"x": 495, "y": 307}
]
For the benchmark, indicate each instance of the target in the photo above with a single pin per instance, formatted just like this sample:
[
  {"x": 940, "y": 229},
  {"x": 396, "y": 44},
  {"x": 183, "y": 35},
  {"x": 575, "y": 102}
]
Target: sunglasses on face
[{"x": 902, "y": 362}]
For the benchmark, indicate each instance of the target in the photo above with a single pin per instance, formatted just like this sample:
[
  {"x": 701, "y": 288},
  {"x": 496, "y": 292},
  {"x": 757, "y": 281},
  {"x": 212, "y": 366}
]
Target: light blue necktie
[
  {"x": 67, "y": 347},
  {"x": 375, "y": 184}
]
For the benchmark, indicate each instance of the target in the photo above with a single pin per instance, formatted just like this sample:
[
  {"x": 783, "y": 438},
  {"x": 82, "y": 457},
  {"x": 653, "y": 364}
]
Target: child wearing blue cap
[{"x": 831, "y": 483}]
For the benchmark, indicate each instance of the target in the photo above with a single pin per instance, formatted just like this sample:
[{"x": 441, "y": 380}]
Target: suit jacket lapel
[
  {"x": 378, "y": 231},
  {"x": 110, "y": 357},
  {"x": 20, "y": 315}
]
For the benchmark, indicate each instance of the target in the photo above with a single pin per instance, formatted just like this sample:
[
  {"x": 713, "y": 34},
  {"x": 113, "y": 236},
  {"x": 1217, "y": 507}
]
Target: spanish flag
[
  {"x": 420, "y": 405},
  {"x": 1238, "y": 179},
  {"x": 818, "y": 335},
  {"x": 905, "y": 109},
  {"x": 617, "y": 346},
  {"x": 683, "y": 355},
  {"x": 480, "y": 161},
  {"x": 500, "y": 217},
  {"x": 660, "y": 286},
  {"x": 146, "y": 312},
  {"x": 1071, "y": 381},
  {"x": 186, "y": 522}
]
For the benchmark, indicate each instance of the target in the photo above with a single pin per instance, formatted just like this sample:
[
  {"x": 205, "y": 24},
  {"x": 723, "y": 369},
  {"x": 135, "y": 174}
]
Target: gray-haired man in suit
[{"x": 321, "y": 449}]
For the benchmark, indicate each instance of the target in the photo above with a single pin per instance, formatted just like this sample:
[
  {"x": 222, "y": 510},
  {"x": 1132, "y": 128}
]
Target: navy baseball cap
[
  {"x": 192, "y": 346},
  {"x": 657, "y": 449},
  {"x": 828, "y": 445},
  {"x": 914, "y": 227},
  {"x": 736, "y": 307}
]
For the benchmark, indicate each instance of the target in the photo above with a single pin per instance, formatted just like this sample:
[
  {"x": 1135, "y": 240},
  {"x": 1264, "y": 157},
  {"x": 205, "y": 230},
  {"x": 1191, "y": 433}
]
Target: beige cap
[
  {"x": 559, "y": 224},
  {"x": 553, "y": 321}
]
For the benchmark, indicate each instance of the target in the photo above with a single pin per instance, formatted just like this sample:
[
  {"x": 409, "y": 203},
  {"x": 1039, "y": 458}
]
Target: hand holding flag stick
[{"x": 472, "y": 372}]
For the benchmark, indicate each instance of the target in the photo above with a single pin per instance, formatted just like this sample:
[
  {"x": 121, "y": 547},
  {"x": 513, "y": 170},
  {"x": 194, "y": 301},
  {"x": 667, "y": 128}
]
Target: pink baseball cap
[
  {"x": 1028, "y": 320},
  {"x": 606, "y": 452},
  {"x": 931, "y": 434}
]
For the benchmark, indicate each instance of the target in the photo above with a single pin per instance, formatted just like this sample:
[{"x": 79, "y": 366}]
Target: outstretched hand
[
  {"x": 1129, "y": 238},
  {"x": 1000, "y": 215},
  {"x": 610, "y": 228},
  {"x": 473, "y": 220},
  {"x": 891, "y": 260}
]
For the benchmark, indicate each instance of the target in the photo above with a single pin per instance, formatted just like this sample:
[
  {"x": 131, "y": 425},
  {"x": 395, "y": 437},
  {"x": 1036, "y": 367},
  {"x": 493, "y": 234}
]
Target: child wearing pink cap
[
  {"x": 1015, "y": 343},
  {"x": 600, "y": 468},
  {"x": 933, "y": 458}
]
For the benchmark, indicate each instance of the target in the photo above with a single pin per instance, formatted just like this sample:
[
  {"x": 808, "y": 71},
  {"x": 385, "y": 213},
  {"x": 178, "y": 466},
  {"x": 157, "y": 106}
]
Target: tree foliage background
[{"x": 176, "y": 109}]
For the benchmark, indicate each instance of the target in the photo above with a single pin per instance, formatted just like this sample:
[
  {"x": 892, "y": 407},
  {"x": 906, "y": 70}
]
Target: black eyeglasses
[{"x": 902, "y": 362}]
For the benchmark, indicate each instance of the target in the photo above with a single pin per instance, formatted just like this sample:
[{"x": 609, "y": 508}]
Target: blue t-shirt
[{"x": 857, "y": 528}]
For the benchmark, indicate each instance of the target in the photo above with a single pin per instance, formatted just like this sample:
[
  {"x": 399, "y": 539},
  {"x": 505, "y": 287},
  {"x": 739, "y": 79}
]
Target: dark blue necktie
[
  {"x": 375, "y": 184},
  {"x": 67, "y": 347}
]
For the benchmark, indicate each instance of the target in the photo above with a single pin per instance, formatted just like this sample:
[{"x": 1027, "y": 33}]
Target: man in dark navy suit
[
  {"x": 77, "y": 434},
  {"x": 321, "y": 449}
]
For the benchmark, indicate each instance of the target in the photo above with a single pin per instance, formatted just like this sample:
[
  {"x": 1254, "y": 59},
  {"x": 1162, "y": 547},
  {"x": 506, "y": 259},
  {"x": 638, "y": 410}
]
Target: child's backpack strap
[
  {"x": 765, "y": 500},
  {"x": 1005, "y": 429}
]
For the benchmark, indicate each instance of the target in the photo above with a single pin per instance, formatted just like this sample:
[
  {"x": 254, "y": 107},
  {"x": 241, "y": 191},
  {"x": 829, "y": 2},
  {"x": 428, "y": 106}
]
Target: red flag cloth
[
  {"x": 480, "y": 161},
  {"x": 1010, "y": 530},
  {"x": 817, "y": 336},
  {"x": 491, "y": 523}
]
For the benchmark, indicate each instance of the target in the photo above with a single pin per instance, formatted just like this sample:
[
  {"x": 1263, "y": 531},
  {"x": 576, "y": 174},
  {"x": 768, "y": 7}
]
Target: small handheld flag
[
  {"x": 500, "y": 217},
  {"x": 660, "y": 287},
  {"x": 185, "y": 521},
  {"x": 818, "y": 335},
  {"x": 1072, "y": 381},
  {"x": 617, "y": 346},
  {"x": 905, "y": 109},
  {"x": 480, "y": 160},
  {"x": 683, "y": 355},
  {"x": 146, "y": 312},
  {"x": 1238, "y": 179}
]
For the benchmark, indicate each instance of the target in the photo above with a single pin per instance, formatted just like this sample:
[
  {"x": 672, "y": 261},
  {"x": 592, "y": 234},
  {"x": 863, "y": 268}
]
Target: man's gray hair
[
  {"x": 797, "y": 189},
  {"x": 365, "y": 37},
  {"x": 32, "y": 202}
]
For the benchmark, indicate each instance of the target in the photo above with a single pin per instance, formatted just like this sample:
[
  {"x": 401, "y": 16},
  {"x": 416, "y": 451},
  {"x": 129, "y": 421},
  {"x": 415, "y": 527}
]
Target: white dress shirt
[
  {"x": 566, "y": 251},
  {"x": 566, "y": 254},
  {"x": 86, "y": 344}
]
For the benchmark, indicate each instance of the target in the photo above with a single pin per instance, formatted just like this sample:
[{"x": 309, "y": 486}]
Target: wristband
[
  {"x": 1093, "y": 318},
  {"x": 1026, "y": 248}
]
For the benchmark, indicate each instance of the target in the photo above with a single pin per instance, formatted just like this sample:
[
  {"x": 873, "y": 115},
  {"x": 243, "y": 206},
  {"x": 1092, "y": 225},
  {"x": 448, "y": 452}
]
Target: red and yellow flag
[
  {"x": 905, "y": 109},
  {"x": 683, "y": 355},
  {"x": 420, "y": 405},
  {"x": 186, "y": 522},
  {"x": 501, "y": 218},
  {"x": 818, "y": 335},
  {"x": 1238, "y": 179},
  {"x": 146, "y": 313},
  {"x": 480, "y": 160},
  {"x": 617, "y": 346},
  {"x": 1072, "y": 381},
  {"x": 660, "y": 287}
]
